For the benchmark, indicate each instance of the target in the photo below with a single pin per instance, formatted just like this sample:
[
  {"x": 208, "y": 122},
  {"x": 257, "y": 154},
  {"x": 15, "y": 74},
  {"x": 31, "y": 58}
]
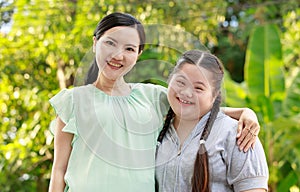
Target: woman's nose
[{"x": 118, "y": 55}]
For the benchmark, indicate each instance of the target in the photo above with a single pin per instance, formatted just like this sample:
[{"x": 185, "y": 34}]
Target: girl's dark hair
[
  {"x": 114, "y": 20},
  {"x": 200, "y": 179}
]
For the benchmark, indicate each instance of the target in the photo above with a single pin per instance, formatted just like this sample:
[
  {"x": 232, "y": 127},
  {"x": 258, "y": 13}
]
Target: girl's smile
[{"x": 184, "y": 101}]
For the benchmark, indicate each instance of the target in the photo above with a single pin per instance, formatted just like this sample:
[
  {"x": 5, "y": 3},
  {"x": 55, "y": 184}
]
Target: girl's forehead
[
  {"x": 194, "y": 73},
  {"x": 192, "y": 70}
]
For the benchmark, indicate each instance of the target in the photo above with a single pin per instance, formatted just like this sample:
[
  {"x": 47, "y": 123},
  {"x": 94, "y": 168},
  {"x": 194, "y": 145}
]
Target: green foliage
[
  {"x": 6, "y": 13},
  {"x": 291, "y": 106},
  {"x": 40, "y": 55},
  {"x": 263, "y": 67},
  {"x": 267, "y": 93},
  {"x": 49, "y": 40}
]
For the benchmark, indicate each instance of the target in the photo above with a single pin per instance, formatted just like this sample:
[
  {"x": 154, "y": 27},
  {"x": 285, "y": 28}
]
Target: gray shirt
[{"x": 230, "y": 168}]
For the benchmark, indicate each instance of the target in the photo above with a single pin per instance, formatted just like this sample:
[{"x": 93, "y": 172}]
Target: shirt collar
[{"x": 196, "y": 131}]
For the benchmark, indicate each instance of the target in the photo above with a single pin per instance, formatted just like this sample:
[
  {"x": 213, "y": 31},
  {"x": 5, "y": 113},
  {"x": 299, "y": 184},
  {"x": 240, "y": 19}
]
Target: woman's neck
[{"x": 112, "y": 87}]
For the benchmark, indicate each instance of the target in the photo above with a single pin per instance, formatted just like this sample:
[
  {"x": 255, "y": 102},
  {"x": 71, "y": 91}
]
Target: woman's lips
[{"x": 115, "y": 64}]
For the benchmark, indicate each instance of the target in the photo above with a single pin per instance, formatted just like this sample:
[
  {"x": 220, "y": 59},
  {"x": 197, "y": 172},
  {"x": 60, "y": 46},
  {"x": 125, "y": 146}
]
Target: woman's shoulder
[
  {"x": 67, "y": 94},
  {"x": 149, "y": 89},
  {"x": 70, "y": 90},
  {"x": 148, "y": 86}
]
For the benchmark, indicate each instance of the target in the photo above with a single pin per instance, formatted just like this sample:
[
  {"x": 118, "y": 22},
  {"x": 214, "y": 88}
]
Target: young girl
[
  {"x": 197, "y": 148},
  {"x": 105, "y": 131}
]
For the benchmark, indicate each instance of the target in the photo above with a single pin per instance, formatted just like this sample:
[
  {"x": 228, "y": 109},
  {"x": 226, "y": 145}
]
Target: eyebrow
[
  {"x": 197, "y": 82},
  {"x": 129, "y": 44}
]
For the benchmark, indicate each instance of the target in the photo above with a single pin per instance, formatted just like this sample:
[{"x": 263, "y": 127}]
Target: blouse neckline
[{"x": 99, "y": 91}]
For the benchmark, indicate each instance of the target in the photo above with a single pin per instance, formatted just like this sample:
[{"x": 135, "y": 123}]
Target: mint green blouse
[{"x": 113, "y": 147}]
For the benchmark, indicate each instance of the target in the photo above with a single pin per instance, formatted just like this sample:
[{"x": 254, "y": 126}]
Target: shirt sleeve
[
  {"x": 247, "y": 170},
  {"x": 64, "y": 107}
]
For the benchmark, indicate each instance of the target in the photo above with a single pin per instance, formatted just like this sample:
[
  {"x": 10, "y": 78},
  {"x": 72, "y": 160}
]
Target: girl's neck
[
  {"x": 184, "y": 128},
  {"x": 111, "y": 87}
]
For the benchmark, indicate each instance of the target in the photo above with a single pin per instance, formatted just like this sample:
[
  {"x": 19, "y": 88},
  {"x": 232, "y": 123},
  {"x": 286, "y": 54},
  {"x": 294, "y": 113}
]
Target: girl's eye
[
  {"x": 199, "y": 88},
  {"x": 180, "y": 83}
]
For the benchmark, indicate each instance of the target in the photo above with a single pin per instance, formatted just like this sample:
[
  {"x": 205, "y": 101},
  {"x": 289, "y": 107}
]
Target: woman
[
  {"x": 197, "y": 148},
  {"x": 105, "y": 131}
]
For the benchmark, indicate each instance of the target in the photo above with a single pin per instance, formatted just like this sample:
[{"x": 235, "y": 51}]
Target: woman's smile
[{"x": 114, "y": 65}]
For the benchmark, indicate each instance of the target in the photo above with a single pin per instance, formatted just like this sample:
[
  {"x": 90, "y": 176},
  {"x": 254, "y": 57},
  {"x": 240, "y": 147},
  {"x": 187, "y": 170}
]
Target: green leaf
[
  {"x": 288, "y": 182},
  {"x": 263, "y": 67},
  {"x": 234, "y": 94},
  {"x": 292, "y": 102}
]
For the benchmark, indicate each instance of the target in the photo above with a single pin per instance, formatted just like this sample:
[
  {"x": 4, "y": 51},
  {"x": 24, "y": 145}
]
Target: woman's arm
[
  {"x": 62, "y": 150},
  {"x": 248, "y": 126},
  {"x": 255, "y": 190}
]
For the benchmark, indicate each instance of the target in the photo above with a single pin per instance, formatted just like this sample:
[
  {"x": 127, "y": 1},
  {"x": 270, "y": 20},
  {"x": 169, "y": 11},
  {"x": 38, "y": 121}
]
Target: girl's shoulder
[{"x": 227, "y": 123}]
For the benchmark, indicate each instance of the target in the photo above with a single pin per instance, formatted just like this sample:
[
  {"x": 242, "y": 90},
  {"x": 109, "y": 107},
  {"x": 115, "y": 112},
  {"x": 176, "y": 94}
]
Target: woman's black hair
[
  {"x": 200, "y": 179},
  {"x": 114, "y": 20}
]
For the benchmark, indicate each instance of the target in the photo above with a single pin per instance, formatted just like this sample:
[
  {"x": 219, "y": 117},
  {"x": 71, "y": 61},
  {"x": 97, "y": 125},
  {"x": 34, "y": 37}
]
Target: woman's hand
[{"x": 248, "y": 129}]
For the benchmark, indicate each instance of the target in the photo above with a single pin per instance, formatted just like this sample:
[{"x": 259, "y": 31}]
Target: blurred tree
[
  {"x": 40, "y": 55},
  {"x": 32, "y": 56},
  {"x": 277, "y": 105},
  {"x": 241, "y": 16},
  {"x": 49, "y": 40},
  {"x": 6, "y": 12}
]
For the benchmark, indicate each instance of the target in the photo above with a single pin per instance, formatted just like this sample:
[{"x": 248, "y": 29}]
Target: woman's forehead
[{"x": 123, "y": 32}]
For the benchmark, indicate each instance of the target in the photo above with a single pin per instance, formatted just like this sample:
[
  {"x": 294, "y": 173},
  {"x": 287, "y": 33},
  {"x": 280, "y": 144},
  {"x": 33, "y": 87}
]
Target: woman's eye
[
  {"x": 130, "y": 49},
  {"x": 109, "y": 42}
]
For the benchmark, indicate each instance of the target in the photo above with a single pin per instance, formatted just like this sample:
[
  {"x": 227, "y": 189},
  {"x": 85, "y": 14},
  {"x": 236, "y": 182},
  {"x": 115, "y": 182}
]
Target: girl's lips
[{"x": 184, "y": 101}]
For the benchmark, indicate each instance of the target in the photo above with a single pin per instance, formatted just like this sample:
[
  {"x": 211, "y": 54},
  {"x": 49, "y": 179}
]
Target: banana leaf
[{"x": 264, "y": 65}]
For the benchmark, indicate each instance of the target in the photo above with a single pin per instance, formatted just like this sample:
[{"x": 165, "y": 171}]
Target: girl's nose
[{"x": 187, "y": 91}]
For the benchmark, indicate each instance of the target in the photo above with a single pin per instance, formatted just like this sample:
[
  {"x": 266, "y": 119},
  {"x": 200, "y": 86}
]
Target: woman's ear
[
  {"x": 140, "y": 53},
  {"x": 94, "y": 44}
]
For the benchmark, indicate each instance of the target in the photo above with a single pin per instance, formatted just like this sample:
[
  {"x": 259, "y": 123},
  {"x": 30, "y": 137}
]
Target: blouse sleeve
[
  {"x": 247, "y": 170},
  {"x": 64, "y": 107},
  {"x": 163, "y": 106}
]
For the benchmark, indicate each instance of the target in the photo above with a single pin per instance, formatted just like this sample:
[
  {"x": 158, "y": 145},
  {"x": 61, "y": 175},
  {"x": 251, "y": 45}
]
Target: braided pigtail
[
  {"x": 166, "y": 126},
  {"x": 200, "y": 179},
  {"x": 161, "y": 135}
]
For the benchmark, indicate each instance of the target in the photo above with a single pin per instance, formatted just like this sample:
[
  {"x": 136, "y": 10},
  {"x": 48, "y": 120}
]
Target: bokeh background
[{"x": 43, "y": 44}]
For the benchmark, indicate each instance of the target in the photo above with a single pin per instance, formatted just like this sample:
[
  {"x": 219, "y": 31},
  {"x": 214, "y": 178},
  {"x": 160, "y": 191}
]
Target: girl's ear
[
  {"x": 94, "y": 44},
  {"x": 216, "y": 96}
]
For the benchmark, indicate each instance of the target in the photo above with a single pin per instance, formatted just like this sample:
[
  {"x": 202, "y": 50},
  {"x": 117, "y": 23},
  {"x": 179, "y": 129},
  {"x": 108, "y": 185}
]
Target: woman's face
[
  {"x": 117, "y": 51},
  {"x": 190, "y": 93}
]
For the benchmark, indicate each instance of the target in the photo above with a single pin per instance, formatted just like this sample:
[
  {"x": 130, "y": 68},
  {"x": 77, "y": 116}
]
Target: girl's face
[
  {"x": 190, "y": 93},
  {"x": 117, "y": 51}
]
